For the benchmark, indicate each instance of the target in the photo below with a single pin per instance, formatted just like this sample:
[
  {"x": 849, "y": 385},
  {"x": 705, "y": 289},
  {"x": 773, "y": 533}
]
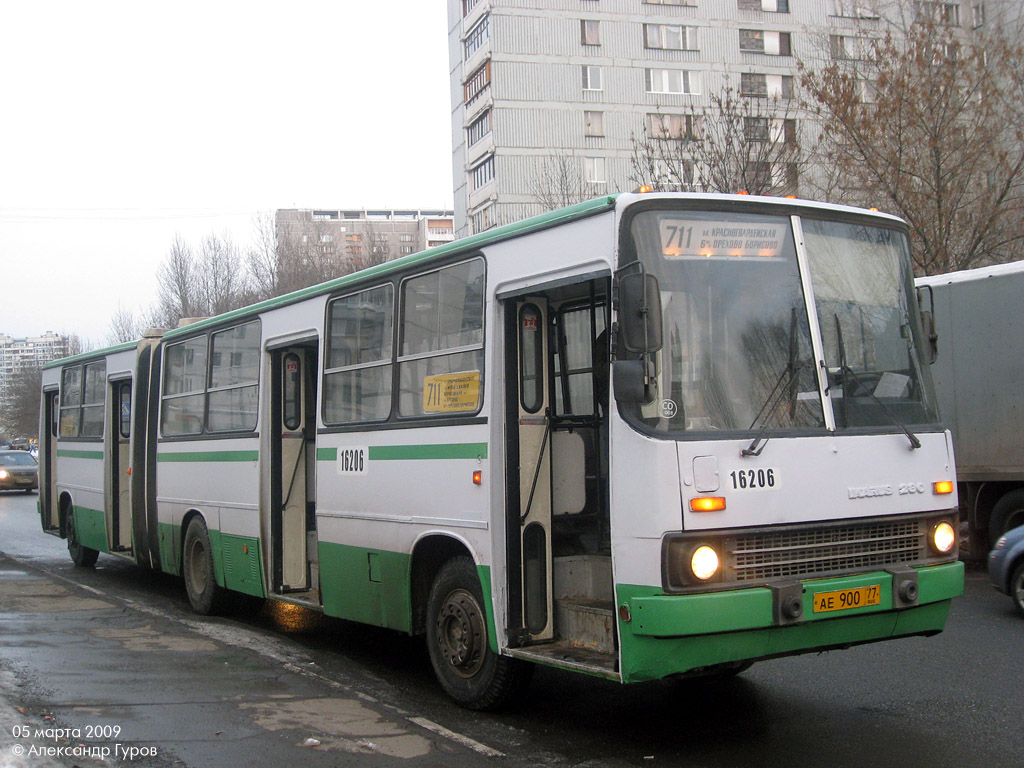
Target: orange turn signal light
[
  {"x": 478, "y": 477},
  {"x": 943, "y": 486},
  {"x": 707, "y": 504}
]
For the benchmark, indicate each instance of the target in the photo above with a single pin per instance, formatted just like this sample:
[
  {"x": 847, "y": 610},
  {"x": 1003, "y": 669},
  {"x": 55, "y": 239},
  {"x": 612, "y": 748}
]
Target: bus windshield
[{"x": 737, "y": 353}]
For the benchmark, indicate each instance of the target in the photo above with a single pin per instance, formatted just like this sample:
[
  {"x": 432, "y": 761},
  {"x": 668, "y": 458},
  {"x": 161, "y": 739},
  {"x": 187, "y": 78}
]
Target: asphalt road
[{"x": 118, "y": 647}]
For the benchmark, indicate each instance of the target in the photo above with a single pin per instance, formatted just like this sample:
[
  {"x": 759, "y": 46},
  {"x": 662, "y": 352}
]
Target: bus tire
[
  {"x": 204, "y": 595},
  {"x": 1007, "y": 513},
  {"x": 468, "y": 670},
  {"x": 81, "y": 556}
]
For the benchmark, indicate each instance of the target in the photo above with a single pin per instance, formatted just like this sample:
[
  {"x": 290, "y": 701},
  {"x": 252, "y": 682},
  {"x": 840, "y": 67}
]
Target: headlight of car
[{"x": 3, "y": 474}]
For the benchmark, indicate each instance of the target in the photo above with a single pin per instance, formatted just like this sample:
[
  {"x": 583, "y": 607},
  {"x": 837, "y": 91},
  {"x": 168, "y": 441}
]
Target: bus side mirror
[
  {"x": 926, "y": 306},
  {"x": 640, "y": 312},
  {"x": 633, "y": 380}
]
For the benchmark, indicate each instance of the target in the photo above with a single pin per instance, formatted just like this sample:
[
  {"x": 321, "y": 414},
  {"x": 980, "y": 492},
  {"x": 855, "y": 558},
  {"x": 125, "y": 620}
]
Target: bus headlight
[
  {"x": 691, "y": 561},
  {"x": 942, "y": 538},
  {"x": 704, "y": 562}
]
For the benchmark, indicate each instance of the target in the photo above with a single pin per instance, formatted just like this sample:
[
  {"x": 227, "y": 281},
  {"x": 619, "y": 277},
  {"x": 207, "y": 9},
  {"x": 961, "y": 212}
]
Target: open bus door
[
  {"x": 293, "y": 467},
  {"x": 529, "y": 472},
  {"x": 48, "y": 462},
  {"x": 120, "y": 495}
]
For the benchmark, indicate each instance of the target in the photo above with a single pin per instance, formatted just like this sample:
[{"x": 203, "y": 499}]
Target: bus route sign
[
  {"x": 451, "y": 392},
  {"x": 722, "y": 239}
]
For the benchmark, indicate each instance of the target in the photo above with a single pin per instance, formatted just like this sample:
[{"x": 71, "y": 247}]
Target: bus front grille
[{"x": 790, "y": 552}]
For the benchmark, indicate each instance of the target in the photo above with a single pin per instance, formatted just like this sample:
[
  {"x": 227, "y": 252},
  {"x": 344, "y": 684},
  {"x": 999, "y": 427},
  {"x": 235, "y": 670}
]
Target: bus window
[
  {"x": 442, "y": 348},
  {"x": 357, "y": 379},
  {"x": 531, "y": 355}
]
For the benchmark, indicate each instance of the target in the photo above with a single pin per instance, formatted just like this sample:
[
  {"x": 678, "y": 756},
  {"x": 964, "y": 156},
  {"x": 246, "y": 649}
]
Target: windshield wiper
[
  {"x": 789, "y": 377},
  {"x": 845, "y": 370}
]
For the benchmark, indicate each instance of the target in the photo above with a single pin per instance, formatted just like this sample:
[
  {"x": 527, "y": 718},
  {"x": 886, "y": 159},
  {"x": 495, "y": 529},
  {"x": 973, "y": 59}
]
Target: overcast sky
[{"x": 124, "y": 123}]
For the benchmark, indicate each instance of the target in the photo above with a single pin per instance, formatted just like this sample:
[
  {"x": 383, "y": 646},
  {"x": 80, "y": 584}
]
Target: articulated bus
[{"x": 646, "y": 436}]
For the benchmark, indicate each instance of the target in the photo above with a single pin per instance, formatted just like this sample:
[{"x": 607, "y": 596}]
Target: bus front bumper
[{"x": 662, "y": 635}]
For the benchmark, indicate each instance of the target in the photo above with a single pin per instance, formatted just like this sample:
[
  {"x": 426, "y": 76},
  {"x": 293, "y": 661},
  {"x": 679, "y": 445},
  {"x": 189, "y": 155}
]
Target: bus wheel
[
  {"x": 468, "y": 670},
  {"x": 83, "y": 557},
  {"x": 200, "y": 580}
]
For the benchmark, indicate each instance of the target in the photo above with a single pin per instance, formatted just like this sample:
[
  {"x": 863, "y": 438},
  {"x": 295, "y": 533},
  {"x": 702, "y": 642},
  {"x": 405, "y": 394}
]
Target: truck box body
[{"x": 979, "y": 378}]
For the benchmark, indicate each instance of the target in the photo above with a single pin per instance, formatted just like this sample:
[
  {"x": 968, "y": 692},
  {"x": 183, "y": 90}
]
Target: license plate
[{"x": 844, "y": 599}]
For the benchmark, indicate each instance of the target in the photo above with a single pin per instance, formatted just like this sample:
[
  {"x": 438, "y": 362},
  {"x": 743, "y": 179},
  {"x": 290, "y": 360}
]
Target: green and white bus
[{"x": 649, "y": 435}]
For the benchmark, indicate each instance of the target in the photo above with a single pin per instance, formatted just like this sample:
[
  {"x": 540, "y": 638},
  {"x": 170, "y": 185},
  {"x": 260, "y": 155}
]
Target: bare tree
[
  {"x": 738, "y": 142},
  {"x": 262, "y": 258},
  {"x": 21, "y": 417},
  {"x": 177, "y": 290},
  {"x": 125, "y": 326},
  {"x": 558, "y": 181},
  {"x": 926, "y": 121}
]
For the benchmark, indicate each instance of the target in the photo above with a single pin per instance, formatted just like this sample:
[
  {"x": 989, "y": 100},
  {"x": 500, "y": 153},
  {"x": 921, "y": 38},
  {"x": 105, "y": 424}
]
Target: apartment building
[
  {"x": 31, "y": 352},
  {"x": 343, "y": 236},
  {"x": 573, "y": 83}
]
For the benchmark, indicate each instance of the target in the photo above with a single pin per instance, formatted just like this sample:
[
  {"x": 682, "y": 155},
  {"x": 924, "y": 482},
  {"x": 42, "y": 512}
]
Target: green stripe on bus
[
  {"x": 194, "y": 456},
  {"x": 65, "y": 453},
  {"x": 442, "y": 451},
  {"x": 414, "y": 452}
]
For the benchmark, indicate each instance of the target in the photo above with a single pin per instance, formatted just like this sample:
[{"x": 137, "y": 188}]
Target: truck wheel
[
  {"x": 83, "y": 557},
  {"x": 1017, "y": 588},
  {"x": 1006, "y": 514},
  {"x": 468, "y": 670},
  {"x": 197, "y": 566}
]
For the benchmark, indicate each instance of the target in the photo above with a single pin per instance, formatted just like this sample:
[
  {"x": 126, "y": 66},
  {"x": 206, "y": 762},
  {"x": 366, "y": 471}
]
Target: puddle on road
[
  {"x": 148, "y": 639},
  {"x": 339, "y": 724},
  {"x": 36, "y": 595}
]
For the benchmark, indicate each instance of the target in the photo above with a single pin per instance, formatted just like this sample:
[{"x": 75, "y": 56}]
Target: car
[
  {"x": 19, "y": 471},
  {"x": 1006, "y": 566}
]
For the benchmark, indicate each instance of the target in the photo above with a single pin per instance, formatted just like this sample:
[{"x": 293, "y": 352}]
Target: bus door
[
  {"x": 293, "y": 466},
  {"x": 48, "y": 463},
  {"x": 530, "y": 519},
  {"x": 120, "y": 466}
]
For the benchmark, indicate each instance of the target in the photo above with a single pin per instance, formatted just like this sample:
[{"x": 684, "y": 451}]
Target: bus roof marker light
[
  {"x": 941, "y": 487},
  {"x": 707, "y": 504}
]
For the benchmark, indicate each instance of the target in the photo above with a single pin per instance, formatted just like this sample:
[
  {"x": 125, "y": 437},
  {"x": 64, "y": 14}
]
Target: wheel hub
[{"x": 460, "y": 633}]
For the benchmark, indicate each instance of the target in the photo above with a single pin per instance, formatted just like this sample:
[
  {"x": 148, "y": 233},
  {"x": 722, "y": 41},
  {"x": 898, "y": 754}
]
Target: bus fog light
[
  {"x": 704, "y": 562},
  {"x": 943, "y": 538}
]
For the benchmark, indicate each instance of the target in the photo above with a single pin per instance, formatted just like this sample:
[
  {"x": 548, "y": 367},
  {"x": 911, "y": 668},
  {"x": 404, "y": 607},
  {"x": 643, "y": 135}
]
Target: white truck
[{"x": 979, "y": 378}]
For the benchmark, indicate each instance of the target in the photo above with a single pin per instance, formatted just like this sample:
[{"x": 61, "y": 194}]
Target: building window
[
  {"x": 767, "y": 129},
  {"x": 765, "y": 41},
  {"x": 978, "y": 15},
  {"x": 672, "y": 81},
  {"x": 468, "y": 6},
  {"x": 441, "y": 350},
  {"x": 678, "y": 127},
  {"x": 477, "y": 36},
  {"x": 671, "y": 2},
  {"x": 590, "y": 32},
  {"x": 483, "y": 173},
  {"x": 593, "y": 169},
  {"x": 478, "y": 128},
  {"x": 591, "y": 78},
  {"x": 757, "y": 85},
  {"x": 938, "y": 13},
  {"x": 357, "y": 377},
  {"x": 477, "y": 82},
  {"x": 325, "y": 215},
  {"x": 670, "y": 37},
  {"x": 326, "y": 238},
  {"x": 771, "y": 6},
  {"x": 482, "y": 220},
  {"x": 850, "y": 48},
  {"x": 593, "y": 123}
]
